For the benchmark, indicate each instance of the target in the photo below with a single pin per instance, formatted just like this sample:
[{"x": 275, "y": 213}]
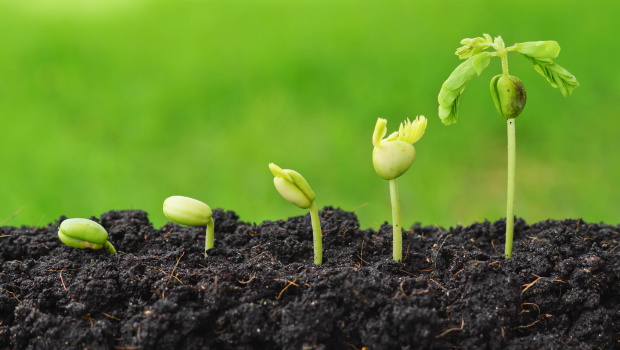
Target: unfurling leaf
[
  {"x": 556, "y": 75},
  {"x": 481, "y": 61},
  {"x": 539, "y": 49},
  {"x": 392, "y": 157},
  {"x": 448, "y": 115},
  {"x": 460, "y": 76},
  {"x": 473, "y": 46},
  {"x": 455, "y": 84},
  {"x": 498, "y": 43}
]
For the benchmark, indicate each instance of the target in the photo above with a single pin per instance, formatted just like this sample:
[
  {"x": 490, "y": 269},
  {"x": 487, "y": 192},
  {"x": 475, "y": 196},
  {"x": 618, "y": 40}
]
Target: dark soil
[{"x": 259, "y": 289}]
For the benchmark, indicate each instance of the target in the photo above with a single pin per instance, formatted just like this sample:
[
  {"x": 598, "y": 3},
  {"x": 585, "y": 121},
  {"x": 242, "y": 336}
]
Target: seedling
[
  {"x": 84, "y": 234},
  {"x": 507, "y": 91},
  {"x": 391, "y": 158},
  {"x": 190, "y": 212},
  {"x": 295, "y": 189}
]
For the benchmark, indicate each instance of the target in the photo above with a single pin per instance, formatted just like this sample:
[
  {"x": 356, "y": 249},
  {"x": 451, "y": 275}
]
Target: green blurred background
[{"x": 120, "y": 104}]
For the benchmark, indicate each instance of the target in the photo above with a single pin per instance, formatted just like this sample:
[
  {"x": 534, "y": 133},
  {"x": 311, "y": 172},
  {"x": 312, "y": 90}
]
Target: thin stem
[
  {"x": 109, "y": 247},
  {"x": 504, "y": 57},
  {"x": 316, "y": 229},
  {"x": 209, "y": 236},
  {"x": 510, "y": 202},
  {"x": 396, "y": 222}
]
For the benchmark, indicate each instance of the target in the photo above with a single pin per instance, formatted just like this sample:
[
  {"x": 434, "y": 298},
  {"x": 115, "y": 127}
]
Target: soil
[{"x": 259, "y": 288}]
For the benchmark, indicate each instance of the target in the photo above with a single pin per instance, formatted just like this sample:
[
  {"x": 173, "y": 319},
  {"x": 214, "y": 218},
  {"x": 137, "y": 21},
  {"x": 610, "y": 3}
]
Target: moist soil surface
[{"x": 259, "y": 288}]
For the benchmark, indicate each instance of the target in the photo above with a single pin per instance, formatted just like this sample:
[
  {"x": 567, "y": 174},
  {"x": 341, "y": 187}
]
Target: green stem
[
  {"x": 209, "y": 236},
  {"x": 504, "y": 57},
  {"x": 396, "y": 222},
  {"x": 510, "y": 203},
  {"x": 109, "y": 247},
  {"x": 316, "y": 229}
]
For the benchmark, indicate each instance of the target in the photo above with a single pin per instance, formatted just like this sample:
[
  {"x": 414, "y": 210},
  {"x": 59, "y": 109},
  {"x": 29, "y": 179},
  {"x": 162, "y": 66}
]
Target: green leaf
[
  {"x": 539, "y": 49},
  {"x": 473, "y": 46},
  {"x": 557, "y": 76},
  {"x": 498, "y": 43},
  {"x": 452, "y": 88},
  {"x": 449, "y": 114},
  {"x": 481, "y": 61},
  {"x": 446, "y": 97},
  {"x": 460, "y": 76}
]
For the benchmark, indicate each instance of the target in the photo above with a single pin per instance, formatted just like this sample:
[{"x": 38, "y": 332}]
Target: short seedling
[
  {"x": 391, "y": 158},
  {"x": 507, "y": 91},
  {"x": 295, "y": 189},
  {"x": 190, "y": 212},
  {"x": 84, "y": 234}
]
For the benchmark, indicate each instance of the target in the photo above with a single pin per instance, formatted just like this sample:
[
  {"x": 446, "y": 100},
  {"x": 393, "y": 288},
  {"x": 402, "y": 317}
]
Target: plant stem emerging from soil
[
  {"x": 109, "y": 247},
  {"x": 510, "y": 202},
  {"x": 191, "y": 212},
  {"x": 295, "y": 189},
  {"x": 396, "y": 222},
  {"x": 316, "y": 228},
  {"x": 209, "y": 235}
]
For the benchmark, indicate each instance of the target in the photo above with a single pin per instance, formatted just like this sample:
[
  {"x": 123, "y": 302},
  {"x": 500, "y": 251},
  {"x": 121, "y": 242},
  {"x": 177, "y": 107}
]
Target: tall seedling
[{"x": 507, "y": 91}]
